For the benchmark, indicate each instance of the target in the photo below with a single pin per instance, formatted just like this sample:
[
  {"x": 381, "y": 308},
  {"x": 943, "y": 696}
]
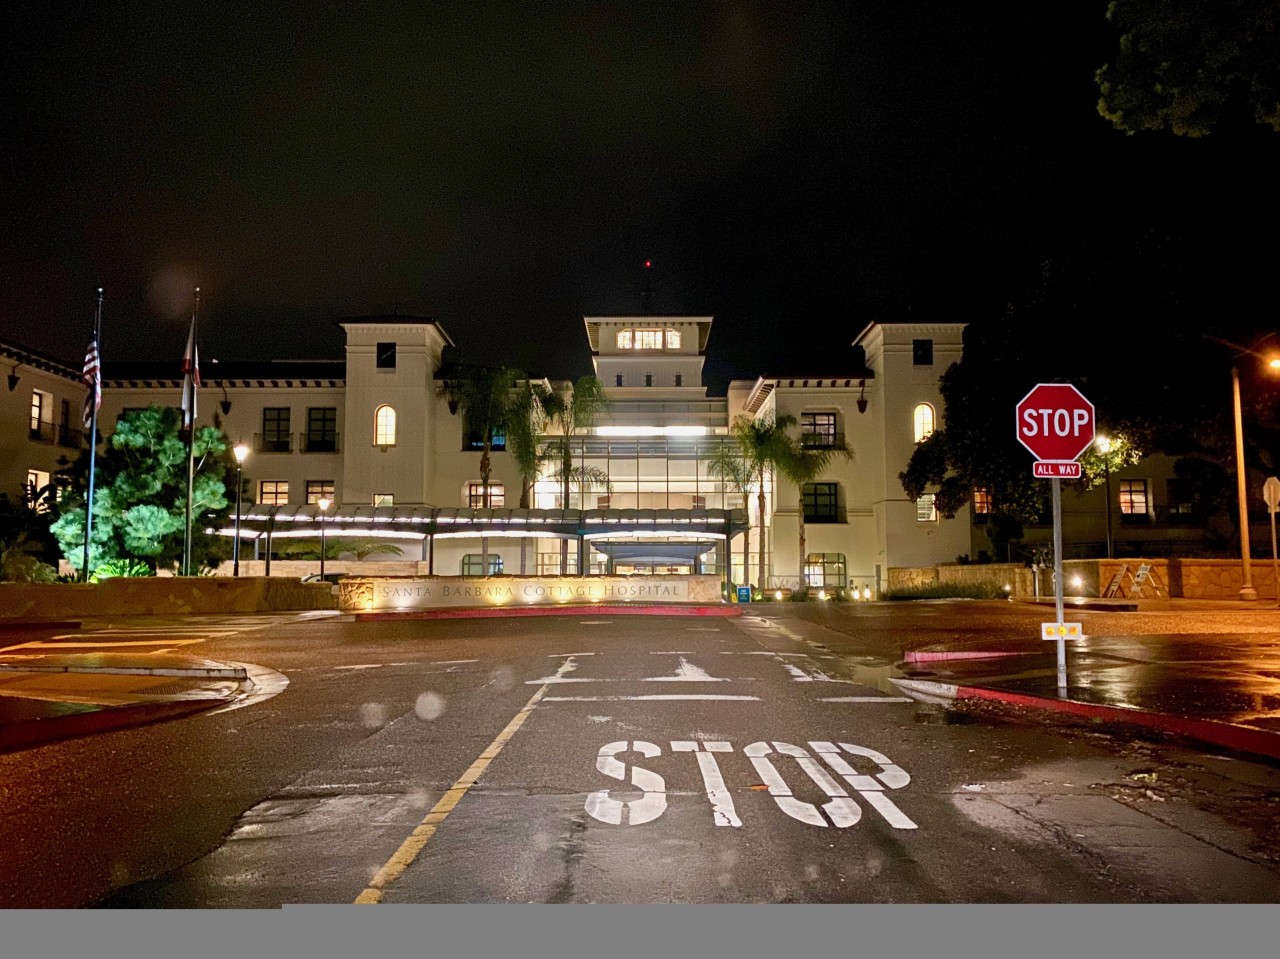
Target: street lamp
[
  {"x": 241, "y": 452},
  {"x": 1104, "y": 447},
  {"x": 323, "y": 502}
]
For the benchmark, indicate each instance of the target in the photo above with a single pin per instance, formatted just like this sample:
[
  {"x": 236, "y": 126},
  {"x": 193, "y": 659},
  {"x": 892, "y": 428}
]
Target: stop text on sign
[{"x": 1045, "y": 422}]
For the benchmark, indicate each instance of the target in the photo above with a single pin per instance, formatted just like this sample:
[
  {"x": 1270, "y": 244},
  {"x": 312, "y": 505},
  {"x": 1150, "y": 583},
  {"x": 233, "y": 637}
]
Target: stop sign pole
[{"x": 1056, "y": 423}]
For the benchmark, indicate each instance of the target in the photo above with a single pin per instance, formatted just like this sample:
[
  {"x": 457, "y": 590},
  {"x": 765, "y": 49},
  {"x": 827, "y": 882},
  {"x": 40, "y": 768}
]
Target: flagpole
[
  {"x": 192, "y": 378},
  {"x": 91, "y": 402}
]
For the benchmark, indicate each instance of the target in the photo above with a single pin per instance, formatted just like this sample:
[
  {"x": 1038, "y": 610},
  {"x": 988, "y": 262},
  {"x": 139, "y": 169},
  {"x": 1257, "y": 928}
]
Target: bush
[
  {"x": 949, "y": 591},
  {"x": 120, "y": 567}
]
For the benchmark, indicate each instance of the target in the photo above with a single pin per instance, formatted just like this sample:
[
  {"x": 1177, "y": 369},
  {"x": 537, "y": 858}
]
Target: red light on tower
[{"x": 648, "y": 264}]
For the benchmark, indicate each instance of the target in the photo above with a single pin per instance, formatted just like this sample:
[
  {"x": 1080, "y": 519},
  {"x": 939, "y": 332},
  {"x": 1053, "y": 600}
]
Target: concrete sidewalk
[
  {"x": 59, "y": 696},
  {"x": 1222, "y": 689}
]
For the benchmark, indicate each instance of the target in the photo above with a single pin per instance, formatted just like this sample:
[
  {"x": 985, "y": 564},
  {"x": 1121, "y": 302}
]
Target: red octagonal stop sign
[{"x": 1055, "y": 422}]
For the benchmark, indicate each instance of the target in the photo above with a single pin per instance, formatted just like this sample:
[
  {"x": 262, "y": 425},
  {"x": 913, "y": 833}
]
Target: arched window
[
  {"x": 384, "y": 426},
  {"x": 924, "y": 422}
]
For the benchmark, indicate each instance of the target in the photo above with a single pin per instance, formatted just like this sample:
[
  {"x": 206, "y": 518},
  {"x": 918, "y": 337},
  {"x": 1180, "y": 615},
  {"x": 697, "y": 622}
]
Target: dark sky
[{"x": 794, "y": 169}]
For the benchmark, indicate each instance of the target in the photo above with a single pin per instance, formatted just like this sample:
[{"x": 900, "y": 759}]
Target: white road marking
[
  {"x": 159, "y": 641},
  {"x": 867, "y": 699},
  {"x": 722, "y": 808},
  {"x": 563, "y": 655},
  {"x": 891, "y": 775},
  {"x": 702, "y": 629},
  {"x": 600, "y": 805},
  {"x": 444, "y": 662},
  {"x": 660, "y": 698},
  {"x": 594, "y": 622},
  {"x": 686, "y": 672}
]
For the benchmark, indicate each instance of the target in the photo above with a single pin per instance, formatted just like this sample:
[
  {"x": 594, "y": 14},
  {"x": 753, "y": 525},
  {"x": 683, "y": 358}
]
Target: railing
[
  {"x": 827, "y": 516},
  {"x": 71, "y": 437},
  {"x": 272, "y": 444},
  {"x": 822, "y": 441},
  {"x": 321, "y": 443},
  {"x": 42, "y": 432}
]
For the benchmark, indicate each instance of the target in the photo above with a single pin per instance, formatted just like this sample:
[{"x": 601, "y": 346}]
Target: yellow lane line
[{"x": 403, "y": 857}]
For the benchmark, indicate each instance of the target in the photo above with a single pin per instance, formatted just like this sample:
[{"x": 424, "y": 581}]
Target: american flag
[
  {"x": 92, "y": 378},
  {"x": 191, "y": 378}
]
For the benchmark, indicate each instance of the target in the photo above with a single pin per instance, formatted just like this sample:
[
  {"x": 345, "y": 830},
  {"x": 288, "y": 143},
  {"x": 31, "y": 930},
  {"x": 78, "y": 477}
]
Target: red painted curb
[
  {"x": 927, "y": 656},
  {"x": 1248, "y": 739},
  {"x": 488, "y": 612},
  {"x": 37, "y": 732}
]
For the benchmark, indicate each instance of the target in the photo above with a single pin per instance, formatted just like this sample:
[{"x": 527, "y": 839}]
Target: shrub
[
  {"x": 120, "y": 567},
  {"x": 949, "y": 591}
]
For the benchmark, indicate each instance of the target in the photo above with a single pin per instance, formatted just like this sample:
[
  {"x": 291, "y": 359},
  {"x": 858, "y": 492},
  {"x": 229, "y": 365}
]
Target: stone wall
[
  {"x": 1013, "y": 575},
  {"x": 159, "y": 595},
  {"x": 1182, "y": 578}
]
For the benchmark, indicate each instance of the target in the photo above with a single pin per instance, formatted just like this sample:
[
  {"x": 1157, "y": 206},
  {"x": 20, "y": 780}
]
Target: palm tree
[
  {"x": 483, "y": 394},
  {"x": 528, "y": 417},
  {"x": 764, "y": 444},
  {"x": 569, "y": 413},
  {"x": 802, "y": 464},
  {"x": 729, "y": 464}
]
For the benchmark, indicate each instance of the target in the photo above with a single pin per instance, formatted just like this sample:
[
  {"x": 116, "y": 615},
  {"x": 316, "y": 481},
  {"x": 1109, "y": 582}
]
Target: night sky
[{"x": 794, "y": 169}]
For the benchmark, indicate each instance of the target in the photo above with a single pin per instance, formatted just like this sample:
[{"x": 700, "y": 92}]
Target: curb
[
  {"x": 17, "y": 736},
  {"x": 941, "y": 655},
  {"x": 192, "y": 672},
  {"x": 517, "y": 611},
  {"x": 1248, "y": 739}
]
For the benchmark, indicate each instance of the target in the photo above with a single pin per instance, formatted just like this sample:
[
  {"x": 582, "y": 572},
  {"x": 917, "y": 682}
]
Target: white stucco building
[{"x": 373, "y": 434}]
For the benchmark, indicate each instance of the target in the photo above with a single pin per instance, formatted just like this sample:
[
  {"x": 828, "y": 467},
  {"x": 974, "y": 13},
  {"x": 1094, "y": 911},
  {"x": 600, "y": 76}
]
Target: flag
[
  {"x": 191, "y": 378},
  {"x": 92, "y": 378}
]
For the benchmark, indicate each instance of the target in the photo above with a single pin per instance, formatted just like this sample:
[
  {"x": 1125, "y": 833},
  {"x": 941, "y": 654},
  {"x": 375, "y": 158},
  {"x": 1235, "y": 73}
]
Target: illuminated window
[
  {"x": 825, "y": 569},
  {"x": 318, "y": 488},
  {"x": 624, "y": 339},
  {"x": 1133, "y": 497},
  {"x": 648, "y": 339},
  {"x": 926, "y": 509},
  {"x": 497, "y": 496},
  {"x": 673, "y": 339},
  {"x": 273, "y": 492},
  {"x": 473, "y": 564},
  {"x": 37, "y": 480},
  {"x": 384, "y": 499},
  {"x": 982, "y": 500},
  {"x": 384, "y": 426},
  {"x": 924, "y": 422},
  {"x": 818, "y": 431}
]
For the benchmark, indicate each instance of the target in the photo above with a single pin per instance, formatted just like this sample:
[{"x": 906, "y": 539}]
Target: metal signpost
[
  {"x": 1055, "y": 423},
  {"x": 1271, "y": 494}
]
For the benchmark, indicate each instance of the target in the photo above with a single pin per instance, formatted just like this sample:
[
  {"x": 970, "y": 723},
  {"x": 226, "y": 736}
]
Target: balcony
[
  {"x": 837, "y": 515},
  {"x": 71, "y": 437},
  {"x": 822, "y": 441},
  {"x": 272, "y": 443},
  {"x": 42, "y": 433},
  {"x": 319, "y": 442}
]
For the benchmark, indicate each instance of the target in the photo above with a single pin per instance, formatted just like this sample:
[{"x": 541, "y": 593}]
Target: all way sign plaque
[{"x": 1055, "y": 469}]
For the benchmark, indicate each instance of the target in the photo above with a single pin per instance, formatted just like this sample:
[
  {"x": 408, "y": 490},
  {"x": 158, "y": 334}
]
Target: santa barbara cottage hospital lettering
[{"x": 392, "y": 593}]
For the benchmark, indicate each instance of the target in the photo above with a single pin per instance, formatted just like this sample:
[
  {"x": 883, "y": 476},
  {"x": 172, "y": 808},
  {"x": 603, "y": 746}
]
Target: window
[
  {"x": 821, "y": 502},
  {"x": 618, "y": 381},
  {"x": 385, "y": 357},
  {"x": 497, "y": 496},
  {"x": 648, "y": 339},
  {"x": 818, "y": 430},
  {"x": 673, "y": 341},
  {"x": 41, "y": 416},
  {"x": 275, "y": 429},
  {"x": 624, "y": 339},
  {"x": 384, "y": 426},
  {"x": 926, "y": 509},
  {"x": 384, "y": 499},
  {"x": 1133, "y": 497},
  {"x": 699, "y": 502},
  {"x": 922, "y": 352},
  {"x": 318, "y": 488},
  {"x": 322, "y": 430},
  {"x": 825, "y": 569},
  {"x": 648, "y": 379},
  {"x": 473, "y": 564},
  {"x": 982, "y": 500},
  {"x": 924, "y": 422},
  {"x": 273, "y": 492},
  {"x": 1182, "y": 507},
  {"x": 679, "y": 380},
  {"x": 474, "y": 441},
  {"x": 37, "y": 480},
  {"x": 602, "y": 502}
]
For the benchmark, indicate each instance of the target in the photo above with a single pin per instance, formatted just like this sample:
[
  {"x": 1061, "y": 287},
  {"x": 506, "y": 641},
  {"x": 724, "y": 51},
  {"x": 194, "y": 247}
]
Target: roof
[
  {"x": 22, "y": 356},
  {"x": 333, "y": 372},
  {"x": 396, "y": 319},
  {"x": 593, "y": 324}
]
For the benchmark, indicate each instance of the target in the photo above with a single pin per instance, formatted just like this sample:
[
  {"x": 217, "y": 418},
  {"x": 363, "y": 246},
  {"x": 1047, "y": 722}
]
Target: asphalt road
[{"x": 762, "y": 759}]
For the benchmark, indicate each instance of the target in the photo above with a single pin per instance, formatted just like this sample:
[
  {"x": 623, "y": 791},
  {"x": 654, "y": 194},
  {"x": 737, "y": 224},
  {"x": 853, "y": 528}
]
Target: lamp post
[
  {"x": 323, "y": 503},
  {"x": 1104, "y": 447},
  {"x": 1246, "y": 575},
  {"x": 241, "y": 452}
]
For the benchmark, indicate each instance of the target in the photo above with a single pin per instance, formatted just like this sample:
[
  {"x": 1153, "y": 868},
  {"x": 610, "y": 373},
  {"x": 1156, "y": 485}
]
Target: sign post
[
  {"x": 1271, "y": 494},
  {"x": 1056, "y": 423}
]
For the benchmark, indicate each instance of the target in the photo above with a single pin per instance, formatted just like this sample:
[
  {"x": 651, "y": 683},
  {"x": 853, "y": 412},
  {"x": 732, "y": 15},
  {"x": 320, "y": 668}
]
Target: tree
[
  {"x": 1180, "y": 65},
  {"x": 569, "y": 412},
  {"x": 335, "y": 548},
  {"x": 764, "y": 444},
  {"x": 139, "y": 506},
  {"x": 528, "y": 419},
  {"x": 729, "y": 464},
  {"x": 803, "y": 464}
]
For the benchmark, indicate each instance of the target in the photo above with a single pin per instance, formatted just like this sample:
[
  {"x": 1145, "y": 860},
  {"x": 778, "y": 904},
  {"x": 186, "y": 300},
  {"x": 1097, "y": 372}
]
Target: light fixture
[
  {"x": 866, "y": 592},
  {"x": 13, "y": 378},
  {"x": 225, "y": 402},
  {"x": 862, "y": 397},
  {"x": 323, "y": 502},
  {"x": 240, "y": 451}
]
